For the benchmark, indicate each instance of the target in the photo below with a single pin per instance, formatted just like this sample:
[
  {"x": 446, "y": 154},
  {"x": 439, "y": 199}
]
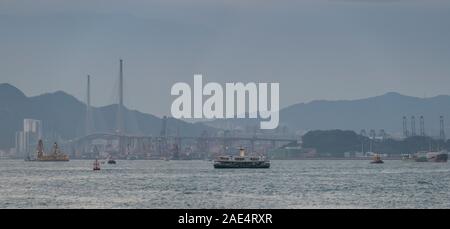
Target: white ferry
[{"x": 241, "y": 162}]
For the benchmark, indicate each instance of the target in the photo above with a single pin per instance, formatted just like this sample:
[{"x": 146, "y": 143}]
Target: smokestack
[
  {"x": 422, "y": 126},
  {"x": 120, "y": 128},
  {"x": 121, "y": 84},
  {"x": 413, "y": 125},
  {"x": 88, "y": 106},
  {"x": 405, "y": 127}
]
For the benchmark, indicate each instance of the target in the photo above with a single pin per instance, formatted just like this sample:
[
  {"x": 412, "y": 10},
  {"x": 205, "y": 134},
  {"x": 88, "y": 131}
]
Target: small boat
[
  {"x": 376, "y": 160},
  {"x": 131, "y": 158},
  {"x": 96, "y": 165},
  {"x": 111, "y": 161}
]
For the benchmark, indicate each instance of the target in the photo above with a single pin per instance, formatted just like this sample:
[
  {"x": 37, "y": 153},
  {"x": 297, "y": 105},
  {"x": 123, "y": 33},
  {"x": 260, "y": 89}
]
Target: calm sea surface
[{"x": 195, "y": 184}]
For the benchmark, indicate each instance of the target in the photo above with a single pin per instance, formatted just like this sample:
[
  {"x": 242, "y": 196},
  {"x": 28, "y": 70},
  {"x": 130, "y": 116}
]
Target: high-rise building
[
  {"x": 27, "y": 139},
  {"x": 33, "y": 126},
  {"x": 20, "y": 143}
]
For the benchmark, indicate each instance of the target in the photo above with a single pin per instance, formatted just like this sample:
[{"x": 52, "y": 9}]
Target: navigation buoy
[{"x": 96, "y": 165}]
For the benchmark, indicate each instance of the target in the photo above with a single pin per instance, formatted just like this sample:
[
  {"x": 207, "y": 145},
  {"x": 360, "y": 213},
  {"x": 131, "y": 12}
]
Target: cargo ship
[
  {"x": 241, "y": 162},
  {"x": 441, "y": 156},
  {"x": 55, "y": 155}
]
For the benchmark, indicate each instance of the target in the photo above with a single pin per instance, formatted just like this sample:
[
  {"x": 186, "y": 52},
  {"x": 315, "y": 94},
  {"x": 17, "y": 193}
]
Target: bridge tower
[
  {"x": 89, "y": 117},
  {"x": 442, "y": 128},
  {"x": 413, "y": 125},
  {"x": 120, "y": 108},
  {"x": 422, "y": 126},
  {"x": 405, "y": 127}
]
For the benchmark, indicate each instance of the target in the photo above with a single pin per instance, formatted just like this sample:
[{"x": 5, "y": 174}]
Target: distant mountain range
[
  {"x": 380, "y": 112},
  {"x": 64, "y": 116}
]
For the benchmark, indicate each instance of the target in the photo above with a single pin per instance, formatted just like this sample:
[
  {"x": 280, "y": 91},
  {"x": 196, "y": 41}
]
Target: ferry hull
[{"x": 242, "y": 165}]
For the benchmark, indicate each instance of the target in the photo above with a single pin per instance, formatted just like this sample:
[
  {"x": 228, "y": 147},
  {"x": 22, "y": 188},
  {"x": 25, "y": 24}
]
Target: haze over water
[{"x": 195, "y": 184}]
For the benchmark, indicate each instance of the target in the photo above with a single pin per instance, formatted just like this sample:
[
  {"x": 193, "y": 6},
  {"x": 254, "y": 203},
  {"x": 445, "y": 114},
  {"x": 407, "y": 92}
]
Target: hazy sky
[{"x": 335, "y": 49}]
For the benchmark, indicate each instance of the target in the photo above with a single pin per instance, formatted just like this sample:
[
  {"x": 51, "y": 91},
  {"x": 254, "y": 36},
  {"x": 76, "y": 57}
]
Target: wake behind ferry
[{"x": 241, "y": 162}]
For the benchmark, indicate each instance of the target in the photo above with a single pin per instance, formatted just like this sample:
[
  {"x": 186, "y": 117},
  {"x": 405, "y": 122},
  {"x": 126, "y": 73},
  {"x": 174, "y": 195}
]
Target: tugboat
[
  {"x": 376, "y": 160},
  {"x": 241, "y": 162},
  {"x": 111, "y": 162},
  {"x": 96, "y": 165}
]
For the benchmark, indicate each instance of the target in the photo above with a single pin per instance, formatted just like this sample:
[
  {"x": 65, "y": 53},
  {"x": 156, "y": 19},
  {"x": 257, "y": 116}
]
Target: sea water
[{"x": 196, "y": 184}]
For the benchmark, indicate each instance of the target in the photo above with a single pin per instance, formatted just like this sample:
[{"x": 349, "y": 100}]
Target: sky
[{"x": 322, "y": 49}]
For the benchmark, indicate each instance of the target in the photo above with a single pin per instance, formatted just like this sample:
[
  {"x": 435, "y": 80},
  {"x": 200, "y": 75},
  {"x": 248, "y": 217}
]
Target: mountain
[
  {"x": 380, "y": 112},
  {"x": 64, "y": 116}
]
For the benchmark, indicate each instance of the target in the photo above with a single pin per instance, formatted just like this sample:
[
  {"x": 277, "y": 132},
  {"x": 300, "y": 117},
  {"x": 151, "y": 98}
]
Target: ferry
[{"x": 241, "y": 162}]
